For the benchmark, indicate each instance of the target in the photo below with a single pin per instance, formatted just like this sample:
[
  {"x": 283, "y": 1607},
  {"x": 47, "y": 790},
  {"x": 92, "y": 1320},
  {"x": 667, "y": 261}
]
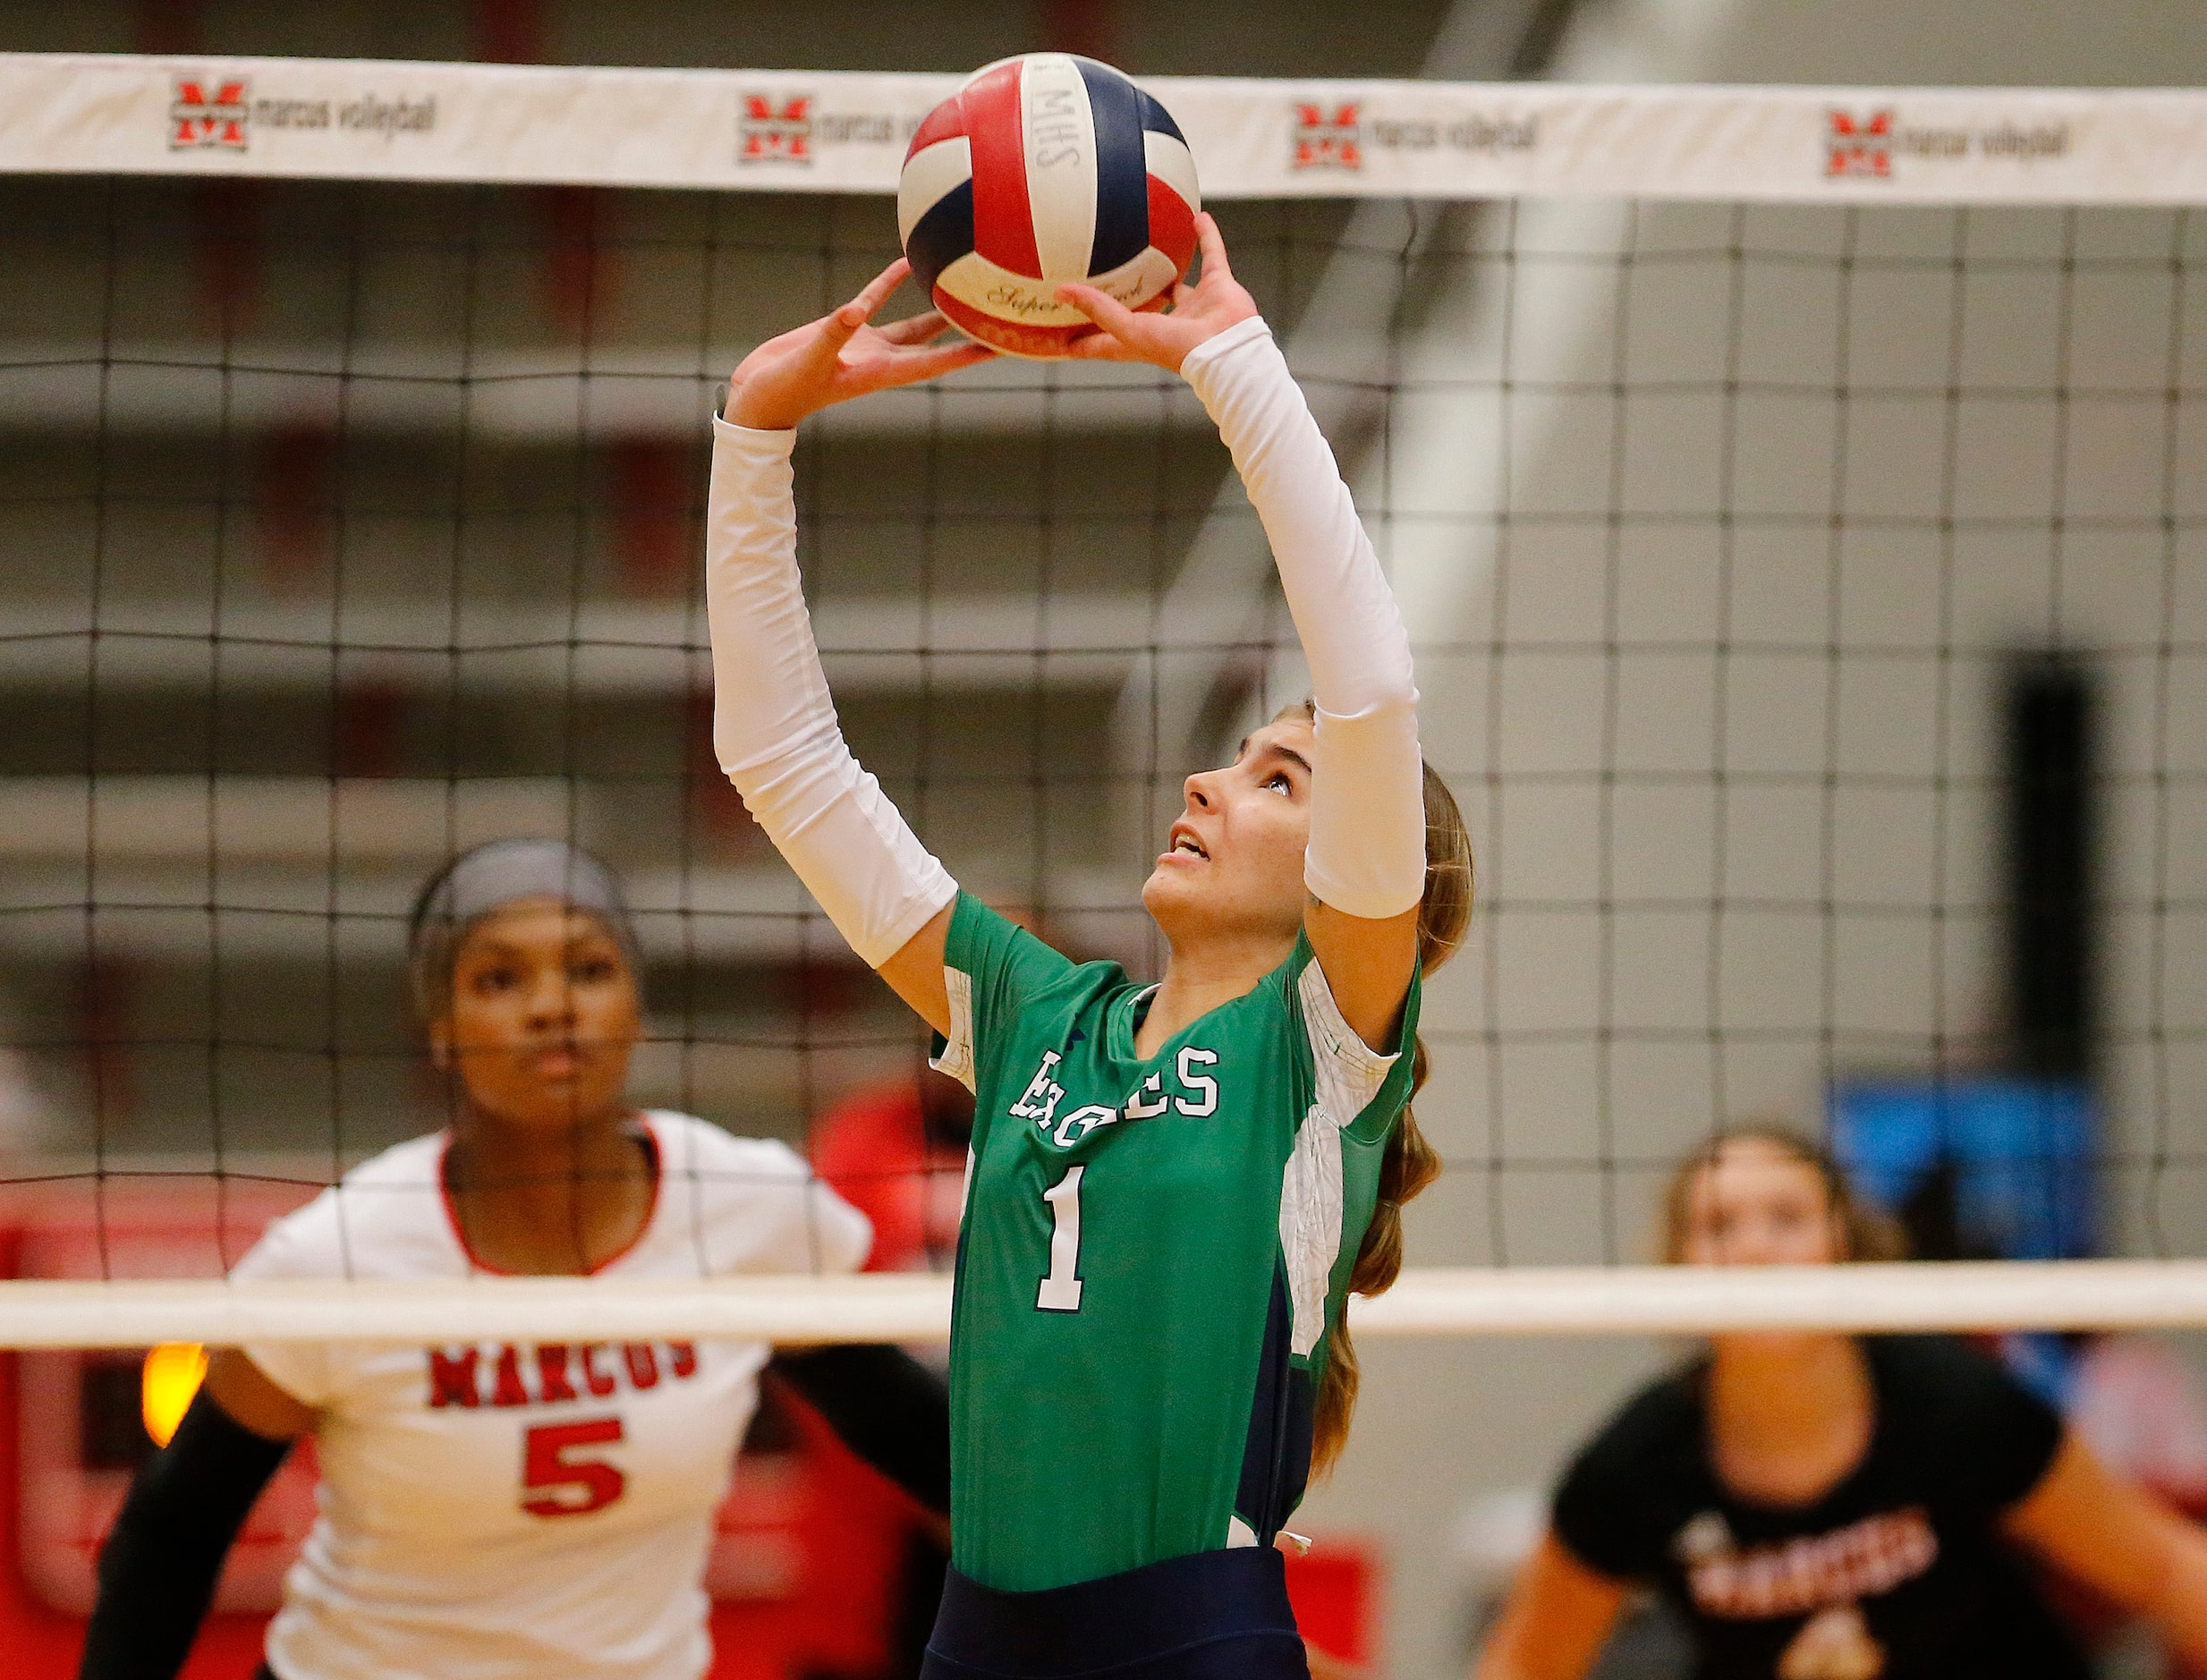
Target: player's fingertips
[{"x": 1212, "y": 244}]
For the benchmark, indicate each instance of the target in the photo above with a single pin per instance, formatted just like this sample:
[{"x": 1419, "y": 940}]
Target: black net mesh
[{"x": 1809, "y": 607}]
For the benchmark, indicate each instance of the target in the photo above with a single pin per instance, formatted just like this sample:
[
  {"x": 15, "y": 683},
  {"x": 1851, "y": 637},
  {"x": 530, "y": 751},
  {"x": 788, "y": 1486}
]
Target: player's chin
[
  {"x": 1190, "y": 899},
  {"x": 556, "y": 1112},
  {"x": 1168, "y": 887}
]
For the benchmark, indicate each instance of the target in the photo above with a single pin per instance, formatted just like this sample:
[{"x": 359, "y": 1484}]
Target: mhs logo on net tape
[
  {"x": 1865, "y": 146},
  {"x": 775, "y": 131},
  {"x": 208, "y": 114},
  {"x": 1327, "y": 139},
  {"x": 1860, "y": 145}
]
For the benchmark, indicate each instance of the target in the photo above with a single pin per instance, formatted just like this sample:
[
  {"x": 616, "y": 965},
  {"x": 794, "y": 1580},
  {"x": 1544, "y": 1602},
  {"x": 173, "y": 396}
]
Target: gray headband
[{"x": 489, "y": 879}]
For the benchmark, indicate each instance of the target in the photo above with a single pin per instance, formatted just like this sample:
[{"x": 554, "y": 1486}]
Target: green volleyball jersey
[{"x": 1153, "y": 1248}]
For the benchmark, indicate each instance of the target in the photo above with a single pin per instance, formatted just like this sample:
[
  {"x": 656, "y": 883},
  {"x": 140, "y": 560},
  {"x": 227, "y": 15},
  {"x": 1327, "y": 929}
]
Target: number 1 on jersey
[{"x": 1061, "y": 1289}]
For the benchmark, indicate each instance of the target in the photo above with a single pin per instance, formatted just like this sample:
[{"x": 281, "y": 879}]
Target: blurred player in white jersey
[{"x": 510, "y": 1511}]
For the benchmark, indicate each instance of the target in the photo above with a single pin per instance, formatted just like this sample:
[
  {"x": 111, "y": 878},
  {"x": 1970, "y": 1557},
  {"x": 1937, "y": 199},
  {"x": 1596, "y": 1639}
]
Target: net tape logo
[
  {"x": 220, "y": 113},
  {"x": 1859, "y": 146},
  {"x": 1343, "y": 135},
  {"x": 797, "y": 127},
  {"x": 1870, "y": 145},
  {"x": 208, "y": 114},
  {"x": 772, "y": 131},
  {"x": 1328, "y": 138}
]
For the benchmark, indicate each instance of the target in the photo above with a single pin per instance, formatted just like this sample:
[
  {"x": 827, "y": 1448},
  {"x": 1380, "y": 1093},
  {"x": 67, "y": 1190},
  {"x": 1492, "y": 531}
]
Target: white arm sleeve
[
  {"x": 774, "y": 726},
  {"x": 1367, "y": 852}
]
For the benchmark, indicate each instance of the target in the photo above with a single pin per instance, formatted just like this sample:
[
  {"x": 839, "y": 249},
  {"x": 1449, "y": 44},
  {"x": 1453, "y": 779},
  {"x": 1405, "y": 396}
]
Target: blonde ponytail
[{"x": 1409, "y": 1164}]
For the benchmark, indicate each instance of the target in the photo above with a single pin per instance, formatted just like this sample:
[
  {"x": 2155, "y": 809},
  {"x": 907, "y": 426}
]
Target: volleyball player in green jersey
[{"x": 1175, "y": 1187}]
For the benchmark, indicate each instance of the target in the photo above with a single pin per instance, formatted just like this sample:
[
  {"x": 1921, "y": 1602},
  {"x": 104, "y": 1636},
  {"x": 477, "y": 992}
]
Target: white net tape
[
  {"x": 1545, "y": 1301},
  {"x": 758, "y": 131}
]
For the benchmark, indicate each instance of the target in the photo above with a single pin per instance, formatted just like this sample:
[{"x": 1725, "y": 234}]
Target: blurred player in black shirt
[{"x": 1821, "y": 1506}]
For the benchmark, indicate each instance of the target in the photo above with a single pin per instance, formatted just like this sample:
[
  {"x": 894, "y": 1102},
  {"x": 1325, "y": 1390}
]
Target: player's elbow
[
  {"x": 1384, "y": 721},
  {"x": 1367, "y": 850},
  {"x": 793, "y": 776}
]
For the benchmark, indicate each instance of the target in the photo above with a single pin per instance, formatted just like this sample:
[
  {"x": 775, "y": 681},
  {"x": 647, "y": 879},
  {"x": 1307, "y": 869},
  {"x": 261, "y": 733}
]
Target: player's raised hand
[
  {"x": 1211, "y": 305},
  {"x": 841, "y": 355}
]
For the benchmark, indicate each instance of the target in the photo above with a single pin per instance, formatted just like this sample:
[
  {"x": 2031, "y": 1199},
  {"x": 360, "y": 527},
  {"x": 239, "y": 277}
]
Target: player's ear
[{"x": 440, "y": 1044}]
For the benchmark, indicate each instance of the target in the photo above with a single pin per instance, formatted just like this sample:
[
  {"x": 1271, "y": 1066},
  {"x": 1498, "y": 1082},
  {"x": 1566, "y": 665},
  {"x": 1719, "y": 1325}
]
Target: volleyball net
[{"x": 1798, "y": 498}]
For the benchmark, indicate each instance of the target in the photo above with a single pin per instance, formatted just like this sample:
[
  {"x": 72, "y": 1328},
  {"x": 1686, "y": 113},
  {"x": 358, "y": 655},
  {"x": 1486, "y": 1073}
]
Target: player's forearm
[
  {"x": 1367, "y": 850},
  {"x": 2179, "y": 1605},
  {"x": 775, "y": 729},
  {"x": 888, "y": 1408},
  {"x": 158, "y": 1568},
  {"x": 1516, "y": 1654},
  {"x": 1345, "y": 613},
  {"x": 769, "y": 692},
  {"x": 1495, "y": 1665}
]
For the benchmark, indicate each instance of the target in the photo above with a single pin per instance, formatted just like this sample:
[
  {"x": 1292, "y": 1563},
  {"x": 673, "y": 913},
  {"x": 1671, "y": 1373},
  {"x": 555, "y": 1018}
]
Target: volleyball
[{"x": 1039, "y": 170}]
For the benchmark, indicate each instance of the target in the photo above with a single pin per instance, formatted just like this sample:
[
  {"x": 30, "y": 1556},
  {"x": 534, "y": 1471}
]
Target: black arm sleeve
[
  {"x": 158, "y": 1568},
  {"x": 889, "y": 1409}
]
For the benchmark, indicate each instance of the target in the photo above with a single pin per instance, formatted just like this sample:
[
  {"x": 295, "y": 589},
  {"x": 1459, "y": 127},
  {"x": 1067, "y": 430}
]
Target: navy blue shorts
[{"x": 1210, "y": 1615}]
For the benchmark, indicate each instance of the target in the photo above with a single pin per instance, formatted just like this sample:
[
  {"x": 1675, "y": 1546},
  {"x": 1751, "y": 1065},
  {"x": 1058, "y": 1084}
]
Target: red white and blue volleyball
[{"x": 1042, "y": 169}]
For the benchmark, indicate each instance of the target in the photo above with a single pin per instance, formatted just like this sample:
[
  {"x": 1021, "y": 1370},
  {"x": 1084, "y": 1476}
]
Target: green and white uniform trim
[{"x": 1153, "y": 1248}]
